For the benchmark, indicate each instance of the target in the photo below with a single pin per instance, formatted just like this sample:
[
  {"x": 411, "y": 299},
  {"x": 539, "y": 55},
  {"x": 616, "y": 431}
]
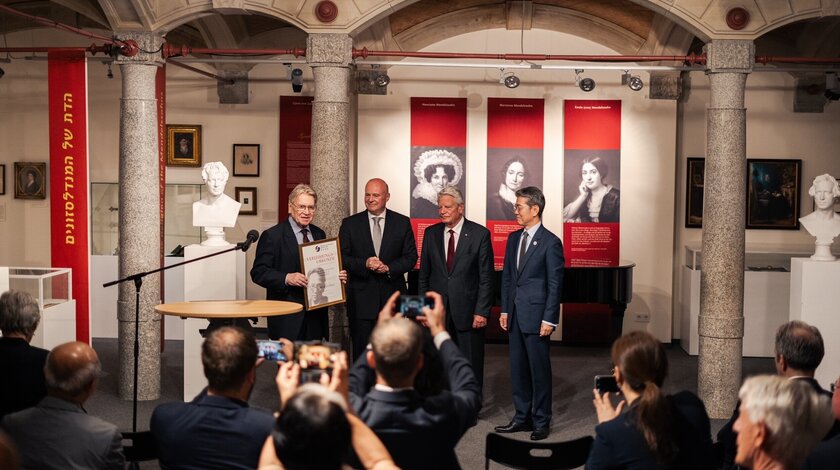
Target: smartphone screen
[
  {"x": 412, "y": 305},
  {"x": 271, "y": 350},
  {"x": 606, "y": 383}
]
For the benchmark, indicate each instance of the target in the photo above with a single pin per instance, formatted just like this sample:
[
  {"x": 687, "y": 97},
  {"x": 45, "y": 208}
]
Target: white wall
[{"x": 647, "y": 149}]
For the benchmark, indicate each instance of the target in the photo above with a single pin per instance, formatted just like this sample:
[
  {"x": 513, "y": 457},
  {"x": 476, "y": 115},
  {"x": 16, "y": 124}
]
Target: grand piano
[{"x": 611, "y": 287}]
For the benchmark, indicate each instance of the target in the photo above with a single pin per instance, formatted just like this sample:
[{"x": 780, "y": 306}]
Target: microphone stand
[{"x": 138, "y": 283}]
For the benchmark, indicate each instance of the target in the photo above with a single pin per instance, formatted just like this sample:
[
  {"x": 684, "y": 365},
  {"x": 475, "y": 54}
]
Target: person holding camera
[
  {"x": 420, "y": 432},
  {"x": 648, "y": 429},
  {"x": 457, "y": 262}
]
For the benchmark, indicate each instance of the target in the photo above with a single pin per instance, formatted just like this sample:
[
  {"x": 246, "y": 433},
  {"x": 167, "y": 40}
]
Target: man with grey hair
[
  {"x": 780, "y": 422},
  {"x": 457, "y": 262},
  {"x": 277, "y": 268},
  {"x": 21, "y": 365},
  {"x": 58, "y": 433}
]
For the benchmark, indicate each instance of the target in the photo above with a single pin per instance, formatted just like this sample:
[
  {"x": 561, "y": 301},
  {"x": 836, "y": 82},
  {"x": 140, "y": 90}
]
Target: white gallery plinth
[
  {"x": 814, "y": 299},
  {"x": 218, "y": 278}
]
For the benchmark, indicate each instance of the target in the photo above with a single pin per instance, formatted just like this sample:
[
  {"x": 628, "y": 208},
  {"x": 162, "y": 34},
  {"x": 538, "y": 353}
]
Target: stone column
[
  {"x": 330, "y": 55},
  {"x": 721, "y": 323},
  {"x": 139, "y": 226}
]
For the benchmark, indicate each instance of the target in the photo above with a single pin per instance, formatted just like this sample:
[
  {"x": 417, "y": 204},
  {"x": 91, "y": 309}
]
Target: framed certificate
[{"x": 320, "y": 262}]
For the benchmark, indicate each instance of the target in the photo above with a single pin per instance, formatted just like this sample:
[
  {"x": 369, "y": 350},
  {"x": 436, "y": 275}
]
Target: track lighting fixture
[
  {"x": 585, "y": 84},
  {"x": 509, "y": 79},
  {"x": 110, "y": 74},
  {"x": 382, "y": 80},
  {"x": 632, "y": 81},
  {"x": 297, "y": 80}
]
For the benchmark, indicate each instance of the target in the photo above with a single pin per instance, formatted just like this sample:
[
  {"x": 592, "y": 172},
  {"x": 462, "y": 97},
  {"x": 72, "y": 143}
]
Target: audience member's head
[
  {"x": 71, "y": 371},
  {"x": 19, "y": 315},
  {"x": 312, "y": 431},
  {"x": 229, "y": 356},
  {"x": 780, "y": 422},
  {"x": 799, "y": 349},
  {"x": 396, "y": 354},
  {"x": 641, "y": 366}
]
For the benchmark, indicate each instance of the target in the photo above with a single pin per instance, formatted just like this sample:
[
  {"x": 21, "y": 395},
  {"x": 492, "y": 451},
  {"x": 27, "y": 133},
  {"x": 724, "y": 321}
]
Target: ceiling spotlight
[
  {"x": 509, "y": 79},
  {"x": 633, "y": 81},
  {"x": 297, "y": 80},
  {"x": 382, "y": 80},
  {"x": 110, "y": 74},
  {"x": 585, "y": 84}
]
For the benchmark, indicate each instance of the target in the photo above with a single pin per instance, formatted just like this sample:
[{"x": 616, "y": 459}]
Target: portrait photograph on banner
[
  {"x": 592, "y": 193},
  {"x": 432, "y": 169},
  {"x": 509, "y": 170}
]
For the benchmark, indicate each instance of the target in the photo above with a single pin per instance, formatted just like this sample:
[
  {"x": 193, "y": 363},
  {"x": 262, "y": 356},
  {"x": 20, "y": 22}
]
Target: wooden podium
[{"x": 196, "y": 313}]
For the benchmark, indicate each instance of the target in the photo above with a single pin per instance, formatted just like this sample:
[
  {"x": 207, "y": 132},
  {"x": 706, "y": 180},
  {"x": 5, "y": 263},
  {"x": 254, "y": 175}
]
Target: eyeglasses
[
  {"x": 302, "y": 209},
  {"x": 520, "y": 207}
]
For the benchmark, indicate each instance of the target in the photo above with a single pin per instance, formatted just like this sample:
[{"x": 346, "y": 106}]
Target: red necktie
[{"x": 450, "y": 251}]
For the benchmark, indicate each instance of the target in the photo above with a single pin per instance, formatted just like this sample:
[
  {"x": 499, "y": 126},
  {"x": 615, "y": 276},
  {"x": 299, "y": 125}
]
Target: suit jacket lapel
[
  {"x": 533, "y": 245},
  {"x": 464, "y": 240},
  {"x": 438, "y": 243},
  {"x": 290, "y": 240}
]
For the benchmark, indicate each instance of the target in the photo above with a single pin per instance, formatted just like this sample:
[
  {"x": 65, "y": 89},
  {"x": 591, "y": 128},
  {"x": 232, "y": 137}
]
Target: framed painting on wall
[
  {"x": 183, "y": 145},
  {"x": 2, "y": 180},
  {"x": 30, "y": 180},
  {"x": 696, "y": 173},
  {"x": 246, "y": 160},
  {"x": 248, "y": 198},
  {"x": 773, "y": 191}
]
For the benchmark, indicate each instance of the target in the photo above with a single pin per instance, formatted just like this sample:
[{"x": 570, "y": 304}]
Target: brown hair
[{"x": 643, "y": 364}]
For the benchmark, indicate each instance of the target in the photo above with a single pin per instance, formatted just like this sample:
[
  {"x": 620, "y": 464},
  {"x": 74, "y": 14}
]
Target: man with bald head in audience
[
  {"x": 217, "y": 429},
  {"x": 419, "y": 432},
  {"x": 58, "y": 433}
]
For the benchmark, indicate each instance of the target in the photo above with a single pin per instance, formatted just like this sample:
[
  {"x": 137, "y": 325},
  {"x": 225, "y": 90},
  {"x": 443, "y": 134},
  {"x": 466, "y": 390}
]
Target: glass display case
[
  {"x": 53, "y": 289},
  {"x": 105, "y": 216}
]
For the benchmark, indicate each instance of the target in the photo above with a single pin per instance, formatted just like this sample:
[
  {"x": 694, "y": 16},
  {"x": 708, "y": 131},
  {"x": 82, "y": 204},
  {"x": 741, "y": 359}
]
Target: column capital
[
  {"x": 329, "y": 49},
  {"x": 729, "y": 56},
  {"x": 149, "y": 44}
]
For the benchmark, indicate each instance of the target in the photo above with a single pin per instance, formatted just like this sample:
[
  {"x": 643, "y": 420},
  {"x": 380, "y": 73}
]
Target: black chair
[
  {"x": 139, "y": 447},
  {"x": 548, "y": 456}
]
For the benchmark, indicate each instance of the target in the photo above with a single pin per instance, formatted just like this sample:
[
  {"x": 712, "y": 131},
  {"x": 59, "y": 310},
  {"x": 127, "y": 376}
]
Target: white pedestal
[
  {"x": 218, "y": 278},
  {"x": 814, "y": 297}
]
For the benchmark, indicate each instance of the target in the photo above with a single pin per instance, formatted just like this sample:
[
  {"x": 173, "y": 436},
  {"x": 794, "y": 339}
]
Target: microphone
[{"x": 252, "y": 236}]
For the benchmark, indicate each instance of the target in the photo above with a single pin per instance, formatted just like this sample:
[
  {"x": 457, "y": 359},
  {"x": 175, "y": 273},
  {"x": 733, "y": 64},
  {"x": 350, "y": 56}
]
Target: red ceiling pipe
[
  {"x": 765, "y": 59},
  {"x": 61, "y": 26},
  {"x": 170, "y": 50},
  {"x": 690, "y": 59},
  {"x": 200, "y": 72},
  {"x": 93, "y": 49}
]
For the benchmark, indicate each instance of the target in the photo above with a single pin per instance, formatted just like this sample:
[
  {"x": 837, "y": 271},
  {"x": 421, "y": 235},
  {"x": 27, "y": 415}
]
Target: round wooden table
[{"x": 211, "y": 309}]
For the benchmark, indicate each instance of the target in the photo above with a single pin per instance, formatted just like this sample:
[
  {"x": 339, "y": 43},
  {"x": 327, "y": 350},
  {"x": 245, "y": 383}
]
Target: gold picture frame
[
  {"x": 183, "y": 145},
  {"x": 320, "y": 261},
  {"x": 31, "y": 180}
]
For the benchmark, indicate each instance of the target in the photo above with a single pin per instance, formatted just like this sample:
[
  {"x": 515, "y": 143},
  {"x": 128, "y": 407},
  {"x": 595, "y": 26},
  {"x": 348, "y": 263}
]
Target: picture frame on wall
[
  {"x": 247, "y": 196},
  {"x": 773, "y": 193},
  {"x": 246, "y": 160},
  {"x": 696, "y": 175},
  {"x": 183, "y": 145},
  {"x": 31, "y": 180},
  {"x": 2, "y": 180}
]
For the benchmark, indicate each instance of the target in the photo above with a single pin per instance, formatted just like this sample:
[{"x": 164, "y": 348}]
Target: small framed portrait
[
  {"x": 2, "y": 180},
  {"x": 246, "y": 160},
  {"x": 30, "y": 180},
  {"x": 183, "y": 145},
  {"x": 773, "y": 190},
  {"x": 320, "y": 261},
  {"x": 248, "y": 198},
  {"x": 696, "y": 172}
]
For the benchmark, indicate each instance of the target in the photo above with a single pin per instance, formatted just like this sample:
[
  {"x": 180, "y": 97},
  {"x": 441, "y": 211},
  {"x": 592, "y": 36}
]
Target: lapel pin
[{"x": 535, "y": 243}]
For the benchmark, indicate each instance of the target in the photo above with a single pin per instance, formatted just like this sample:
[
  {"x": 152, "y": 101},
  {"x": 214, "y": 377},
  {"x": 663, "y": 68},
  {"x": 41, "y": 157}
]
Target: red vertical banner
[
  {"x": 438, "y": 157},
  {"x": 514, "y": 161},
  {"x": 592, "y": 168},
  {"x": 69, "y": 213},
  {"x": 295, "y": 147}
]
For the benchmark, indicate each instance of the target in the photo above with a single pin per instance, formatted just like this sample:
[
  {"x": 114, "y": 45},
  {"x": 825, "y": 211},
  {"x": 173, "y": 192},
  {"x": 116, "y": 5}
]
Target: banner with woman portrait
[
  {"x": 592, "y": 183},
  {"x": 514, "y": 161},
  {"x": 438, "y": 156}
]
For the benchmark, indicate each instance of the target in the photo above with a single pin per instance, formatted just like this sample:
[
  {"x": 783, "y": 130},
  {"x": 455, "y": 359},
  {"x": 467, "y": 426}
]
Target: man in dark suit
[
  {"x": 827, "y": 453},
  {"x": 21, "y": 365},
  {"x": 799, "y": 351},
  {"x": 457, "y": 262},
  {"x": 377, "y": 249},
  {"x": 217, "y": 429},
  {"x": 420, "y": 432},
  {"x": 532, "y": 279},
  {"x": 277, "y": 268},
  {"x": 57, "y": 432}
]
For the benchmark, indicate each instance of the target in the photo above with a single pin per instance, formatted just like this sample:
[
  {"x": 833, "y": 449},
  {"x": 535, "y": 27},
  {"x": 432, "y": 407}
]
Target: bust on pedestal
[
  {"x": 823, "y": 223},
  {"x": 216, "y": 210}
]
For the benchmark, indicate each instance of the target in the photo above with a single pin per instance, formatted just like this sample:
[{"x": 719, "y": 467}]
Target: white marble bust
[
  {"x": 215, "y": 210},
  {"x": 823, "y": 223}
]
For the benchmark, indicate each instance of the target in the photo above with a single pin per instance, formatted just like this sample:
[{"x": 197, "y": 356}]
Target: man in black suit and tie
[
  {"x": 457, "y": 262},
  {"x": 277, "y": 268},
  {"x": 532, "y": 279},
  {"x": 377, "y": 249},
  {"x": 420, "y": 432}
]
